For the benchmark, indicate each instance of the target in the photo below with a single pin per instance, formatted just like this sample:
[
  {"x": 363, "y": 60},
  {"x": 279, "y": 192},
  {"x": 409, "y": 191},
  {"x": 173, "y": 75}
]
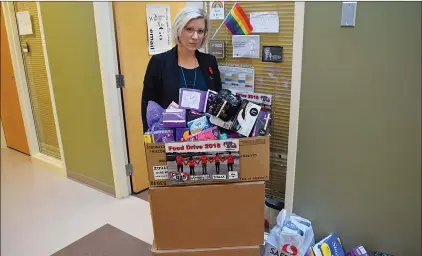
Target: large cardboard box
[
  {"x": 212, "y": 216},
  {"x": 254, "y": 162},
  {"x": 227, "y": 251}
]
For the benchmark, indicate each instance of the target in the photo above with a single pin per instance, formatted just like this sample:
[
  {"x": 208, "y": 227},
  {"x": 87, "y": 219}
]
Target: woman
[{"x": 183, "y": 66}]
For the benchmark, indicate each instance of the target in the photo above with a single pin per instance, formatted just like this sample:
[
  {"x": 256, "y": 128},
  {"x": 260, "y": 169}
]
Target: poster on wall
[
  {"x": 265, "y": 22},
  {"x": 216, "y": 10},
  {"x": 193, "y": 161},
  {"x": 272, "y": 54},
  {"x": 237, "y": 78},
  {"x": 246, "y": 46},
  {"x": 24, "y": 23},
  {"x": 159, "y": 28}
]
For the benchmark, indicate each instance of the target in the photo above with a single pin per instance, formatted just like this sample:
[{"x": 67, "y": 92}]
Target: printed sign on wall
[
  {"x": 217, "y": 10},
  {"x": 217, "y": 48},
  {"x": 159, "y": 28},
  {"x": 272, "y": 54}
]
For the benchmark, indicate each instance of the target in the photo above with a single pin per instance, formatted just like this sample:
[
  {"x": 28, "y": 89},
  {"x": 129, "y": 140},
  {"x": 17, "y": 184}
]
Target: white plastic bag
[{"x": 292, "y": 236}]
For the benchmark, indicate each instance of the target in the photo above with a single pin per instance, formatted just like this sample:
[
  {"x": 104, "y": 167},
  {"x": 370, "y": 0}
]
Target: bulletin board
[{"x": 270, "y": 78}]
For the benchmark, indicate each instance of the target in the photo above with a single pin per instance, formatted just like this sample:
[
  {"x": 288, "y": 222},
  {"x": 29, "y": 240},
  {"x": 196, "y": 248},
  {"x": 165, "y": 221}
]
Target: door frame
[
  {"x": 22, "y": 88},
  {"x": 107, "y": 52},
  {"x": 109, "y": 67}
]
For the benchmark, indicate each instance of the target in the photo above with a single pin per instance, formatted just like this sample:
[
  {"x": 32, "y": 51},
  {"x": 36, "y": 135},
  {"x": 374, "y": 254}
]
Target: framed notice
[{"x": 217, "y": 48}]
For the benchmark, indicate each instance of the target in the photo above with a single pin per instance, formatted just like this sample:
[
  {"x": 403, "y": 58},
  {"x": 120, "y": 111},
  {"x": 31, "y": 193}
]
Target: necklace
[{"x": 184, "y": 78}]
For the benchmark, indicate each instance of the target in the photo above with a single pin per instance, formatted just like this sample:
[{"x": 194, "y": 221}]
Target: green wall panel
[
  {"x": 75, "y": 70},
  {"x": 358, "y": 167}
]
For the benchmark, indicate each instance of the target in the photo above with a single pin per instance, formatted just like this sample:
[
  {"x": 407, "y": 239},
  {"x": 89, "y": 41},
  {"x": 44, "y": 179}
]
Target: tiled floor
[{"x": 42, "y": 211}]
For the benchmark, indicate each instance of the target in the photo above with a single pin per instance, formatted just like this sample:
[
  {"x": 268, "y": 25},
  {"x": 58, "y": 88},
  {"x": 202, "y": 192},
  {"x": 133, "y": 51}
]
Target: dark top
[
  {"x": 197, "y": 83},
  {"x": 162, "y": 78}
]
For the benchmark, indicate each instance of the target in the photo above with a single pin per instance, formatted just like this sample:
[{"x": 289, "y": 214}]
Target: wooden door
[
  {"x": 132, "y": 41},
  {"x": 11, "y": 115}
]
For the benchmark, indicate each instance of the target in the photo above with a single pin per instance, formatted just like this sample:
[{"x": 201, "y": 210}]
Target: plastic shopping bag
[{"x": 292, "y": 236}]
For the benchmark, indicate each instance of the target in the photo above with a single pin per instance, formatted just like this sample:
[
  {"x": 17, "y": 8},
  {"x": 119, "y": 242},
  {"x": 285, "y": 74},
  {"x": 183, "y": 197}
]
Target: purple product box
[
  {"x": 263, "y": 123},
  {"x": 163, "y": 136},
  {"x": 192, "y": 99},
  {"x": 358, "y": 251},
  {"x": 182, "y": 134},
  {"x": 174, "y": 118}
]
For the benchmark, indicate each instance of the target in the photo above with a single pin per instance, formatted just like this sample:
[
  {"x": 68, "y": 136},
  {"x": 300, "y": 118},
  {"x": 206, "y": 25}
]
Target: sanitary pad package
[
  {"x": 182, "y": 134},
  {"x": 154, "y": 116},
  {"x": 174, "y": 118},
  {"x": 198, "y": 125},
  {"x": 209, "y": 134},
  {"x": 263, "y": 123},
  {"x": 224, "y": 105},
  {"x": 358, "y": 251},
  {"x": 159, "y": 136},
  {"x": 246, "y": 118},
  {"x": 329, "y": 246},
  {"x": 192, "y": 99}
]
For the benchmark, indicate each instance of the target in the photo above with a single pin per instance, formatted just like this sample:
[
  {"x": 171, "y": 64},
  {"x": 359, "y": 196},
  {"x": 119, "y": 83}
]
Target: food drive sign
[{"x": 203, "y": 146}]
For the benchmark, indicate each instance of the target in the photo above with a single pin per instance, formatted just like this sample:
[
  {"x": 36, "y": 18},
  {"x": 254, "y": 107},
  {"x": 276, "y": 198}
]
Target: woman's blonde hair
[{"x": 183, "y": 17}]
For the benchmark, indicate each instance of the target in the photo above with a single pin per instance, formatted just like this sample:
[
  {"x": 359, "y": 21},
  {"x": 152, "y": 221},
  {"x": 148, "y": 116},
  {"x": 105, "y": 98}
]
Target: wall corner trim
[{"x": 299, "y": 18}]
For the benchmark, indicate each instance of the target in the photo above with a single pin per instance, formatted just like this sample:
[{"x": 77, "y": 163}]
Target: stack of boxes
[{"x": 210, "y": 218}]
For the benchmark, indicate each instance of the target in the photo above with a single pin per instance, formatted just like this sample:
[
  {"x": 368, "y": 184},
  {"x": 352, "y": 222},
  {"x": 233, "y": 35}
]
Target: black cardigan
[{"x": 162, "y": 78}]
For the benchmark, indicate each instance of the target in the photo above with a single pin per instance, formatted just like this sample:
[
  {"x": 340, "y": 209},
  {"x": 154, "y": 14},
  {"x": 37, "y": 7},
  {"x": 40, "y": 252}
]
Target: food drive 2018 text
[{"x": 194, "y": 147}]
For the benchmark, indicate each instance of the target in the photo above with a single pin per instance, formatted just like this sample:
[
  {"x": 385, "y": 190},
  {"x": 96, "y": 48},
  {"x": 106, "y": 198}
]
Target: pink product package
[
  {"x": 209, "y": 134},
  {"x": 358, "y": 251}
]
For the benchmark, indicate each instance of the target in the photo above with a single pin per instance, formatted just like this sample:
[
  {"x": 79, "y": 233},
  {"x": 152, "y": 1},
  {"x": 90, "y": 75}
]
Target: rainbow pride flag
[{"x": 238, "y": 22}]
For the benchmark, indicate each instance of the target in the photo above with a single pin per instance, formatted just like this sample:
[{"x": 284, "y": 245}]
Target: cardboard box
[
  {"x": 228, "y": 251},
  {"x": 254, "y": 162},
  {"x": 212, "y": 216}
]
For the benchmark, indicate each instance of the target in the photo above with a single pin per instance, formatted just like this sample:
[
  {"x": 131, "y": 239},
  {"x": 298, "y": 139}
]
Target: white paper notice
[
  {"x": 24, "y": 23},
  {"x": 246, "y": 46},
  {"x": 237, "y": 78},
  {"x": 265, "y": 22},
  {"x": 161, "y": 172},
  {"x": 159, "y": 28},
  {"x": 190, "y": 99},
  {"x": 217, "y": 10}
]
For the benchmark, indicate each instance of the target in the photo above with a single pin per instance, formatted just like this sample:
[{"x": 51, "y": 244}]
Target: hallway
[{"x": 42, "y": 211}]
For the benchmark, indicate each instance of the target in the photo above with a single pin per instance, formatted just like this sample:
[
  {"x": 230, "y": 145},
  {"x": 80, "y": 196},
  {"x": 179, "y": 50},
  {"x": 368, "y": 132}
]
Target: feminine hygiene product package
[
  {"x": 293, "y": 235},
  {"x": 209, "y": 134},
  {"x": 358, "y": 251},
  {"x": 246, "y": 118},
  {"x": 159, "y": 136},
  {"x": 329, "y": 246},
  {"x": 154, "y": 116},
  {"x": 192, "y": 99},
  {"x": 224, "y": 105},
  {"x": 263, "y": 123},
  {"x": 182, "y": 134},
  {"x": 198, "y": 125},
  {"x": 192, "y": 115},
  {"x": 174, "y": 118}
]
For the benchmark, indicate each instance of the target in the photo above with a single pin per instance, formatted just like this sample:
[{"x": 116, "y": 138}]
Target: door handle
[
  {"x": 13, "y": 77},
  {"x": 25, "y": 47}
]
